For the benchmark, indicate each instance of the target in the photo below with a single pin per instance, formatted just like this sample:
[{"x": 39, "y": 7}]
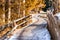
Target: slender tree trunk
[
  {"x": 6, "y": 10},
  {"x": 55, "y": 5}
]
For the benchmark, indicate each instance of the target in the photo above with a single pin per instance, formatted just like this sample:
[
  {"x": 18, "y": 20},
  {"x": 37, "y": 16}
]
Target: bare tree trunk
[
  {"x": 55, "y": 5},
  {"x": 53, "y": 27},
  {"x": 6, "y": 10}
]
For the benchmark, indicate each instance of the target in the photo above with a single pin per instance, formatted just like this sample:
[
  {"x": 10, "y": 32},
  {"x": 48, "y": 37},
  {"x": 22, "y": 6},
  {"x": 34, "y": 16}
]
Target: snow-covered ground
[{"x": 36, "y": 31}]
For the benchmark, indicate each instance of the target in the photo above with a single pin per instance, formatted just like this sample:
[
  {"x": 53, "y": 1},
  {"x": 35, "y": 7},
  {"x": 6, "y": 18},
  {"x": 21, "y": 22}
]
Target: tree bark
[
  {"x": 55, "y": 5},
  {"x": 53, "y": 27}
]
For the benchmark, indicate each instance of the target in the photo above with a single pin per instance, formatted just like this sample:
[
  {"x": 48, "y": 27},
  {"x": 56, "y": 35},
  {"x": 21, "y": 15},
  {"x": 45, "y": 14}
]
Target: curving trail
[{"x": 35, "y": 31}]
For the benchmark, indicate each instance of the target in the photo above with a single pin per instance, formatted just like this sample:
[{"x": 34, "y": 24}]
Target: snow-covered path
[{"x": 36, "y": 31}]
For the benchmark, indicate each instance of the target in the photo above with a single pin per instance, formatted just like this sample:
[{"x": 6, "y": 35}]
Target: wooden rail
[
  {"x": 11, "y": 23},
  {"x": 12, "y": 26}
]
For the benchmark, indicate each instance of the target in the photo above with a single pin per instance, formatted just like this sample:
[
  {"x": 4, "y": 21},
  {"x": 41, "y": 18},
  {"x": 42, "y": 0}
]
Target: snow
[{"x": 36, "y": 31}]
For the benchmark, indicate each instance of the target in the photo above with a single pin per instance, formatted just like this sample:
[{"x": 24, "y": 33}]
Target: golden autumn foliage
[
  {"x": 31, "y": 4},
  {"x": 17, "y": 7}
]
